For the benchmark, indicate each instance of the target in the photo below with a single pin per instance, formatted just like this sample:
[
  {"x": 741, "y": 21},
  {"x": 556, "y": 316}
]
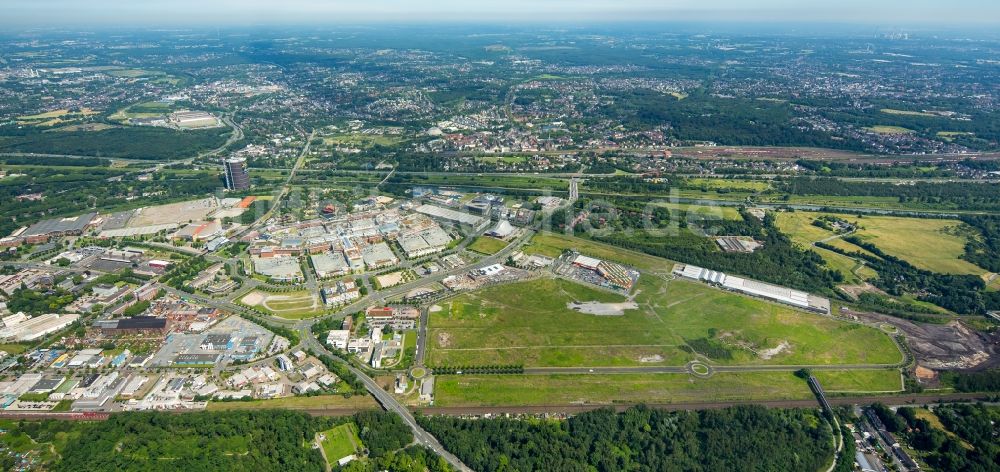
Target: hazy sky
[{"x": 31, "y": 13}]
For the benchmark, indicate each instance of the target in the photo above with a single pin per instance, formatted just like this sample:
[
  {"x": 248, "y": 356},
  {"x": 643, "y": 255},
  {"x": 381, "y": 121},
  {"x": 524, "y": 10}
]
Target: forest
[
  {"x": 239, "y": 440},
  {"x": 131, "y": 143},
  {"x": 971, "y": 448},
  {"x": 960, "y": 195},
  {"x": 642, "y": 439}
]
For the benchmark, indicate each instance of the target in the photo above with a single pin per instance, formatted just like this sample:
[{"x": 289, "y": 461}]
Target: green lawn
[
  {"x": 341, "y": 442},
  {"x": 487, "y": 245},
  {"x": 529, "y": 323}
]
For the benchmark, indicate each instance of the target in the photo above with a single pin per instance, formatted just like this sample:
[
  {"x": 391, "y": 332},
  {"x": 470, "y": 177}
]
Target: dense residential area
[{"x": 423, "y": 247}]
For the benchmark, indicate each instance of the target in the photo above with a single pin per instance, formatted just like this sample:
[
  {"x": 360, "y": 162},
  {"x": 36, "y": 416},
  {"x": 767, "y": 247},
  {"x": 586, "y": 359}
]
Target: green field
[
  {"x": 931, "y": 244},
  {"x": 553, "y": 244},
  {"x": 528, "y": 323},
  {"x": 487, "y": 245},
  {"x": 13, "y": 348},
  {"x": 727, "y": 212},
  {"x": 341, "y": 442},
  {"x": 513, "y": 390}
]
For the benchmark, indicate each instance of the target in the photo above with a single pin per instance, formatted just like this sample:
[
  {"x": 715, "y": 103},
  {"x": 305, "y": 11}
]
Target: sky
[{"x": 125, "y": 13}]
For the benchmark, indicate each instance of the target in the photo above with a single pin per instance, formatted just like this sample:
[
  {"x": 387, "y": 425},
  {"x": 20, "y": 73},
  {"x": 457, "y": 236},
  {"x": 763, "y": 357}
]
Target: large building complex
[{"x": 237, "y": 176}]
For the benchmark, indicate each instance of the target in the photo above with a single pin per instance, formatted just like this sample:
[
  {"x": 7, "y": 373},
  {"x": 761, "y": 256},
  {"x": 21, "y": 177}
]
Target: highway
[{"x": 389, "y": 402}]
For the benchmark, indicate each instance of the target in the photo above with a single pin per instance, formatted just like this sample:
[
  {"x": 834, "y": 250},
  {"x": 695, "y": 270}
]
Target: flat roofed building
[
  {"x": 279, "y": 269},
  {"x": 586, "y": 262},
  {"x": 330, "y": 264},
  {"x": 377, "y": 256},
  {"x": 338, "y": 338},
  {"x": 45, "y": 229},
  {"x": 37, "y": 327}
]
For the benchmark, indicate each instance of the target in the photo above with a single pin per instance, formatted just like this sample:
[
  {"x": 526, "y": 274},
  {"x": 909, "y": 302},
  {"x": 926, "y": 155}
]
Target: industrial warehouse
[{"x": 784, "y": 295}]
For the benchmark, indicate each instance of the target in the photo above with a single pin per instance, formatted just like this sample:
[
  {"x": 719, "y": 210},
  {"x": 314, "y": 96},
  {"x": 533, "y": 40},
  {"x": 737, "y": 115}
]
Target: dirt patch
[
  {"x": 651, "y": 359},
  {"x": 774, "y": 351},
  {"x": 925, "y": 374},
  {"x": 435, "y": 308},
  {"x": 254, "y": 298},
  {"x": 444, "y": 339},
  {"x": 951, "y": 346},
  {"x": 602, "y": 309},
  {"x": 854, "y": 291}
]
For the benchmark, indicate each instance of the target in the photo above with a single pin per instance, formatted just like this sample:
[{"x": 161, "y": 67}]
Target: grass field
[
  {"x": 529, "y": 323},
  {"x": 13, "y": 348},
  {"x": 883, "y": 129},
  {"x": 299, "y": 403},
  {"x": 733, "y": 184},
  {"x": 341, "y": 442},
  {"x": 487, "y": 245},
  {"x": 362, "y": 140},
  {"x": 553, "y": 244},
  {"x": 512, "y": 390},
  {"x": 724, "y": 212},
  {"x": 891, "y": 111},
  {"x": 932, "y": 244},
  {"x": 291, "y": 305}
]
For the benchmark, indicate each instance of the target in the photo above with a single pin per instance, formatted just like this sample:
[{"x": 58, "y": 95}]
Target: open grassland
[
  {"x": 931, "y": 244},
  {"x": 487, "y": 245},
  {"x": 731, "y": 184},
  {"x": 891, "y": 111},
  {"x": 529, "y": 323},
  {"x": 318, "y": 402},
  {"x": 341, "y": 442},
  {"x": 860, "y": 381},
  {"x": 563, "y": 389}
]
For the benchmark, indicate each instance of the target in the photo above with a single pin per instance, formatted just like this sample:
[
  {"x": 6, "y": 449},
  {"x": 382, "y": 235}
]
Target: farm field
[
  {"x": 487, "y": 245},
  {"x": 931, "y": 244},
  {"x": 529, "y": 323},
  {"x": 340, "y": 442},
  {"x": 884, "y": 129},
  {"x": 291, "y": 305},
  {"x": 560, "y": 389}
]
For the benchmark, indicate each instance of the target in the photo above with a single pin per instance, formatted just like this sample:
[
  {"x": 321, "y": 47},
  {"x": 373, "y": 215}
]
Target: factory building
[{"x": 237, "y": 176}]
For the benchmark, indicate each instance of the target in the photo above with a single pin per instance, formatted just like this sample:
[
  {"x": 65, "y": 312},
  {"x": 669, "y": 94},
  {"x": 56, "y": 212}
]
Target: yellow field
[
  {"x": 882, "y": 129},
  {"x": 930, "y": 244}
]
